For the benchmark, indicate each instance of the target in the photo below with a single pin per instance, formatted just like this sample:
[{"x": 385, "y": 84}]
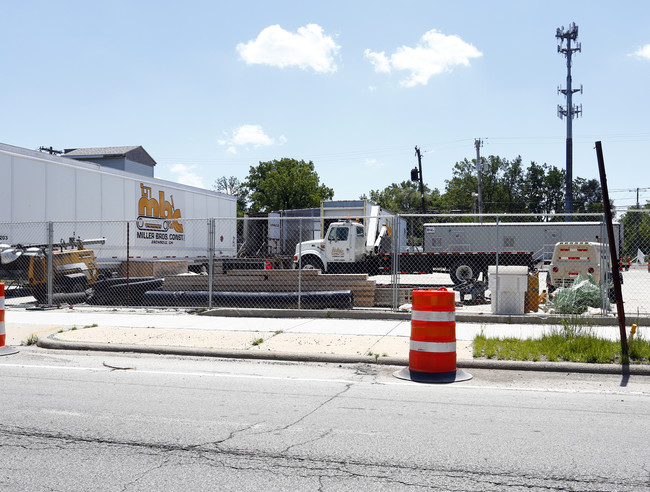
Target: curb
[
  {"x": 535, "y": 319},
  {"x": 569, "y": 367}
]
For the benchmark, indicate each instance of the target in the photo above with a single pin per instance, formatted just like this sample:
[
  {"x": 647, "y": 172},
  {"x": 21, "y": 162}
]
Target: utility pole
[
  {"x": 417, "y": 175},
  {"x": 570, "y": 111},
  {"x": 478, "y": 143}
]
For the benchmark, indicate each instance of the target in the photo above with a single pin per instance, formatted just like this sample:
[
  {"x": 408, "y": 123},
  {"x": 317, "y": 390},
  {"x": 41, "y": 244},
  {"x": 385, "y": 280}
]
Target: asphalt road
[{"x": 79, "y": 421}]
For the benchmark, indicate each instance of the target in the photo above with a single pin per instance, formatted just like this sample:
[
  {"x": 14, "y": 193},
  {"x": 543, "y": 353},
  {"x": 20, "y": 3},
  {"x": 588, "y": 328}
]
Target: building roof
[{"x": 108, "y": 152}]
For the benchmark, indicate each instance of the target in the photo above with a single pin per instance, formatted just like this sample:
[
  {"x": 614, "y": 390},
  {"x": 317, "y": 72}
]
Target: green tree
[
  {"x": 636, "y": 224},
  {"x": 587, "y": 195},
  {"x": 404, "y": 197},
  {"x": 458, "y": 190},
  {"x": 232, "y": 186},
  {"x": 555, "y": 190},
  {"x": 285, "y": 184}
]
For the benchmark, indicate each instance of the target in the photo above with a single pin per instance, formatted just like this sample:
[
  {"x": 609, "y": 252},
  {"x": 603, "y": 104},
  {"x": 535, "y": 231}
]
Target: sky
[{"x": 211, "y": 88}]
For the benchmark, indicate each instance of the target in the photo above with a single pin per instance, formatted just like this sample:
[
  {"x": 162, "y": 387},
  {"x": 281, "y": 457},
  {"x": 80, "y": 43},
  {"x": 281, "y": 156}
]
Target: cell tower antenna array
[{"x": 570, "y": 111}]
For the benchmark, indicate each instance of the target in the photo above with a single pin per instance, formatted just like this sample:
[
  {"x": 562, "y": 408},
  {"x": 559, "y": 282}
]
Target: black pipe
[{"x": 341, "y": 299}]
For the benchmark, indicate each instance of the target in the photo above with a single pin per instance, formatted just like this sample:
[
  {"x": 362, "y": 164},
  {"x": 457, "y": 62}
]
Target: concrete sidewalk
[{"x": 323, "y": 339}]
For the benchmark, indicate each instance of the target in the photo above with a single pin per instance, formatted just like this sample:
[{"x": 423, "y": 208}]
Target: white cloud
[
  {"x": 379, "y": 60},
  {"x": 249, "y": 135},
  {"x": 186, "y": 175},
  {"x": 435, "y": 53},
  {"x": 643, "y": 52},
  {"x": 308, "y": 48}
]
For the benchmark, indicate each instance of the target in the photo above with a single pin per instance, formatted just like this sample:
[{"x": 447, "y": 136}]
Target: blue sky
[{"x": 210, "y": 88}]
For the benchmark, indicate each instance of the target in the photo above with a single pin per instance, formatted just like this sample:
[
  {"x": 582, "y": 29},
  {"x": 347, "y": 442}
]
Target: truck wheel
[
  {"x": 463, "y": 271},
  {"x": 310, "y": 263}
]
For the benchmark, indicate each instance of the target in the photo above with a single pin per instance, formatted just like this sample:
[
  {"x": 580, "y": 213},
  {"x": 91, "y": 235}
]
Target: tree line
[{"x": 506, "y": 187}]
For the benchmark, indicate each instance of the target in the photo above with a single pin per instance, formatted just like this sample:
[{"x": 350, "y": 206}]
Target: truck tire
[
  {"x": 462, "y": 271},
  {"x": 312, "y": 263}
]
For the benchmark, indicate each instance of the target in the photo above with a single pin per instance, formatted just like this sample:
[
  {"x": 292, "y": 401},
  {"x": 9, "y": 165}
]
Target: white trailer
[
  {"x": 83, "y": 199},
  {"x": 538, "y": 238}
]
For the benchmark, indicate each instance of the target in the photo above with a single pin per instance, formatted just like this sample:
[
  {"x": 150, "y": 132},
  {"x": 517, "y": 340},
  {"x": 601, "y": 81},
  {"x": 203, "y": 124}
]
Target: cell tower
[{"x": 570, "y": 111}]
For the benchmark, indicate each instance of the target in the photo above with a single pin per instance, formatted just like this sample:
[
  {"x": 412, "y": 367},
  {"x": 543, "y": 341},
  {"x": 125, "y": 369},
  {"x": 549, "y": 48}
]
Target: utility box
[{"x": 508, "y": 286}]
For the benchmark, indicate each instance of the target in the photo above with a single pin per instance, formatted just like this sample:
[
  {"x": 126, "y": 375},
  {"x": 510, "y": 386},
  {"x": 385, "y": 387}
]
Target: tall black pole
[
  {"x": 423, "y": 205},
  {"x": 570, "y": 111},
  {"x": 612, "y": 250}
]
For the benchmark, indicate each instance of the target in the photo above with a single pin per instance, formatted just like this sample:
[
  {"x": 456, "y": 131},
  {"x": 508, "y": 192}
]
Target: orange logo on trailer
[{"x": 157, "y": 215}]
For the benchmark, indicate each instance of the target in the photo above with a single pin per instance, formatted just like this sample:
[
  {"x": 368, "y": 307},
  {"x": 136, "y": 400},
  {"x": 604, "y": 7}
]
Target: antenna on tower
[{"x": 569, "y": 111}]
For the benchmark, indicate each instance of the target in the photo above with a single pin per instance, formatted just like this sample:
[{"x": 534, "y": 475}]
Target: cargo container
[{"x": 85, "y": 199}]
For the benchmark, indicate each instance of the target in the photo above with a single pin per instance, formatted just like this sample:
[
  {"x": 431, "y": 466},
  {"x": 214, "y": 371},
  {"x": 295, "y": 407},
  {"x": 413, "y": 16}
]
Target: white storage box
[{"x": 508, "y": 286}]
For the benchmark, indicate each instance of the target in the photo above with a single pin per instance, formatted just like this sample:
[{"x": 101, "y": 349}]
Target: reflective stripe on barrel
[{"x": 433, "y": 331}]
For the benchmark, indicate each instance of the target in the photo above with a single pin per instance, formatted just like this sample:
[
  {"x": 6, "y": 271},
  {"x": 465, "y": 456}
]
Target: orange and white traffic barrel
[
  {"x": 432, "y": 351},
  {"x": 3, "y": 349}
]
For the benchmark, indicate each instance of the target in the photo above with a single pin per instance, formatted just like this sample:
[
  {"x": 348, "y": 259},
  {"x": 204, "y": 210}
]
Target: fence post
[
  {"x": 395, "y": 264},
  {"x": 50, "y": 264},
  {"x": 495, "y": 301},
  {"x": 300, "y": 264},
  {"x": 211, "y": 243},
  {"x": 604, "y": 268}
]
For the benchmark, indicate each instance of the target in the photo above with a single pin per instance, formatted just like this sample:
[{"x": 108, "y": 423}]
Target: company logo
[
  {"x": 157, "y": 215},
  {"x": 337, "y": 252}
]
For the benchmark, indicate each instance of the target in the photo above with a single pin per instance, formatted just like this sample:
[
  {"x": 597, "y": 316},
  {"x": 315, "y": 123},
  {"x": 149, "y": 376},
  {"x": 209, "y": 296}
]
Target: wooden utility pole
[{"x": 612, "y": 251}]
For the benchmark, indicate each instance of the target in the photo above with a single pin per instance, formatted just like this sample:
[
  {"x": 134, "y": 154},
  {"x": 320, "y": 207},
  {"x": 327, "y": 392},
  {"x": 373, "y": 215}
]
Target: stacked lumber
[
  {"x": 277, "y": 281},
  {"x": 384, "y": 296},
  {"x": 153, "y": 268}
]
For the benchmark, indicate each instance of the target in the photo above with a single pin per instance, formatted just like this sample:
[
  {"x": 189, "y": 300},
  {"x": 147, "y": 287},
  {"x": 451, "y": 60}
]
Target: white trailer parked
[
  {"x": 538, "y": 238},
  {"x": 86, "y": 199}
]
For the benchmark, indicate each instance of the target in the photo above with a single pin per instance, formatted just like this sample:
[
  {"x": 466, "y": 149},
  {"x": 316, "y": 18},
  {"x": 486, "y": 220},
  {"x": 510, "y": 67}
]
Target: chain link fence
[{"x": 500, "y": 264}]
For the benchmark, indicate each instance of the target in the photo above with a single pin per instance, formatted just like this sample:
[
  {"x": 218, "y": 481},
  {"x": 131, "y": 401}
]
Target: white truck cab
[{"x": 345, "y": 242}]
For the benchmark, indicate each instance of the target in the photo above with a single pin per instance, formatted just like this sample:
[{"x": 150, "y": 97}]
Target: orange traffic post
[
  {"x": 3, "y": 349},
  {"x": 432, "y": 354}
]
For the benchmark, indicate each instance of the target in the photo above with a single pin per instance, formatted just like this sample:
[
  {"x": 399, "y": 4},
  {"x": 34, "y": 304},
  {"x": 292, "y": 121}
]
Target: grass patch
[
  {"x": 257, "y": 342},
  {"x": 572, "y": 341},
  {"x": 32, "y": 339}
]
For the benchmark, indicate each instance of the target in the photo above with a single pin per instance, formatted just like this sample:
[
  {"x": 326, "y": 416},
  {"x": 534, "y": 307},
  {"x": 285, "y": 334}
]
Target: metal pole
[
  {"x": 300, "y": 266},
  {"x": 568, "y": 204},
  {"x": 620, "y": 310},
  {"x": 211, "y": 242},
  {"x": 50, "y": 264},
  {"x": 479, "y": 170},
  {"x": 496, "y": 266},
  {"x": 128, "y": 268},
  {"x": 395, "y": 263},
  {"x": 422, "y": 204}
]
